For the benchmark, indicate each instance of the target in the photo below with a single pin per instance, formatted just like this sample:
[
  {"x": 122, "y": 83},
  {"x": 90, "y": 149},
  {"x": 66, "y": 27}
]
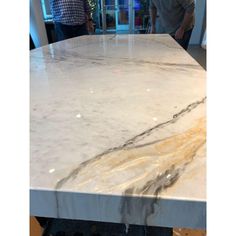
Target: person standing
[
  {"x": 72, "y": 18},
  {"x": 176, "y": 17}
]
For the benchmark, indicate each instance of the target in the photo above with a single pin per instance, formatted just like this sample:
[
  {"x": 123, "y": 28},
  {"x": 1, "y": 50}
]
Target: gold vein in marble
[{"x": 141, "y": 170}]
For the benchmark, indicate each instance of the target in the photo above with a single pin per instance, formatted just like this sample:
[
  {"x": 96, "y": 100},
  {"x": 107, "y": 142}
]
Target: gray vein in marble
[
  {"x": 130, "y": 143},
  {"x": 72, "y": 54},
  {"x": 130, "y": 206},
  {"x": 104, "y": 60}
]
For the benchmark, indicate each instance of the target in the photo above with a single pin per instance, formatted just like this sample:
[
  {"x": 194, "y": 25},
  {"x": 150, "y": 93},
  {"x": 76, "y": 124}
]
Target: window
[{"x": 46, "y": 10}]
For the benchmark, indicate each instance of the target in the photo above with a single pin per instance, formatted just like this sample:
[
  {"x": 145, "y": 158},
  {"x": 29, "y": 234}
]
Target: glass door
[
  {"x": 122, "y": 15},
  {"x": 141, "y": 15}
]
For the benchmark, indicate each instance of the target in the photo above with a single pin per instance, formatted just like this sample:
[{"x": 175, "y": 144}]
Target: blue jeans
[
  {"x": 185, "y": 40},
  {"x": 69, "y": 31}
]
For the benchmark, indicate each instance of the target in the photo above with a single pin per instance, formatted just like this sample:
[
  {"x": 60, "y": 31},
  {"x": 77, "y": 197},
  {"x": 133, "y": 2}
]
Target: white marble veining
[{"x": 118, "y": 131}]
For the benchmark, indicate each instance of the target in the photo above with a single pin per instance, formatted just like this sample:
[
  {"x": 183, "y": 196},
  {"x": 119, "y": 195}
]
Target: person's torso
[
  {"x": 171, "y": 15},
  {"x": 68, "y": 12}
]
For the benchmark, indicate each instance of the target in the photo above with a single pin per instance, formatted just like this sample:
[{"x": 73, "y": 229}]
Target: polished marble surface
[{"x": 118, "y": 131}]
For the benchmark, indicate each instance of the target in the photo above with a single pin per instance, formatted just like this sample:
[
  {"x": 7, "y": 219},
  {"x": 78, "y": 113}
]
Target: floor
[
  {"x": 35, "y": 229},
  {"x": 189, "y": 232},
  {"x": 199, "y": 54},
  {"x": 59, "y": 227}
]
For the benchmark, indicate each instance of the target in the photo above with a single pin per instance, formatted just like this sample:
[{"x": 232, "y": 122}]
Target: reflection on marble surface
[{"x": 118, "y": 131}]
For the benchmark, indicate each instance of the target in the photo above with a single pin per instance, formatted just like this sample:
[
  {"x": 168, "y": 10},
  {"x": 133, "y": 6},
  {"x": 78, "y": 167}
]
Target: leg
[
  {"x": 63, "y": 31},
  {"x": 80, "y": 30},
  {"x": 159, "y": 231}
]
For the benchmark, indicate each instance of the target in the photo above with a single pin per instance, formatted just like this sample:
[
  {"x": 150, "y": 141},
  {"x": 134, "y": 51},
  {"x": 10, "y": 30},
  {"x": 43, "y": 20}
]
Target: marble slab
[{"x": 118, "y": 131}]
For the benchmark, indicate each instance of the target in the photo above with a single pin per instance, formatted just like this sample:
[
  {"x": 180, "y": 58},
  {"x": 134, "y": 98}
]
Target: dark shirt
[
  {"x": 171, "y": 13},
  {"x": 70, "y": 12}
]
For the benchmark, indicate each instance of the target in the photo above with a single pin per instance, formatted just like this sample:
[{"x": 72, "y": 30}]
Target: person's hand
[
  {"x": 90, "y": 26},
  {"x": 179, "y": 34}
]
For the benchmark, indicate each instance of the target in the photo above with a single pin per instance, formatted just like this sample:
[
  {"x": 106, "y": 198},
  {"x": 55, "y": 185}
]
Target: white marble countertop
[{"x": 118, "y": 131}]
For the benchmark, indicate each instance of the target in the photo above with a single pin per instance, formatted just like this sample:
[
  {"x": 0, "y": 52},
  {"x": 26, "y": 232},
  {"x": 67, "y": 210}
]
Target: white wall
[
  {"x": 37, "y": 26},
  {"x": 199, "y": 19}
]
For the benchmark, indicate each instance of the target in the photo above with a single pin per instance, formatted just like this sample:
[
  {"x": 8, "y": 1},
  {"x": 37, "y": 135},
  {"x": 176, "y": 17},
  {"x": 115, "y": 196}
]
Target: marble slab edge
[{"x": 149, "y": 211}]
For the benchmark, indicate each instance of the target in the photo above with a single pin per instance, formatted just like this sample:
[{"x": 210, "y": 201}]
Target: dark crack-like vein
[
  {"x": 161, "y": 181},
  {"x": 130, "y": 142},
  {"x": 104, "y": 60},
  {"x": 132, "y": 205},
  {"x": 156, "y": 185}
]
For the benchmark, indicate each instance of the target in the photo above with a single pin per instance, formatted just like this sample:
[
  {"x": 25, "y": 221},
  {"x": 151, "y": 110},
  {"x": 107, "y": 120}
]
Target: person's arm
[
  {"x": 89, "y": 20},
  {"x": 153, "y": 16},
  {"x": 189, "y": 6}
]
